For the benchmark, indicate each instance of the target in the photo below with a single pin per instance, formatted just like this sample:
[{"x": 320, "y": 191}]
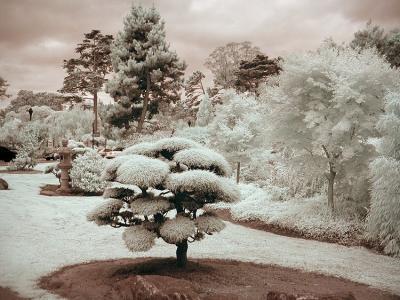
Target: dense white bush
[
  {"x": 383, "y": 221},
  {"x": 86, "y": 172}
]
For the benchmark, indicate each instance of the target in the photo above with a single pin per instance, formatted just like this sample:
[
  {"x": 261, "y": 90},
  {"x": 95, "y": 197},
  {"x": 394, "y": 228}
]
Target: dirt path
[{"x": 202, "y": 279}]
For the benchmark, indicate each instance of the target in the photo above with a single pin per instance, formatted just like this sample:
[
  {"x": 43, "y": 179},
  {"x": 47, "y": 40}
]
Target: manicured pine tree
[
  {"x": 194, "y": 89},
  {"x": 158, "y": 190}
]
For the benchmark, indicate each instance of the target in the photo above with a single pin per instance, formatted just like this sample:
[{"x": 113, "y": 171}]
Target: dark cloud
[{"x": 36, "y": 35}]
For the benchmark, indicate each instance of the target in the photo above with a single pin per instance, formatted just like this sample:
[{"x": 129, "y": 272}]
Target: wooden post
[{"x": 238, "y": 172}]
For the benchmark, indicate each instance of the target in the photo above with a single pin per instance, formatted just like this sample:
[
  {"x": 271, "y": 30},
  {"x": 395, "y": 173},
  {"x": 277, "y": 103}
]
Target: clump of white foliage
[
  {"x": 27, "y": 155},
  {"x": 86, "y": 172},
  {"x": 324, "y": 110},
  {"x": 157, "y": 190},
  {"x": 237, "y": 126},
  {"x": 205, "y": 113},
  {"x": 383, "y": 221},
  {"x": 306, "y": 217}
]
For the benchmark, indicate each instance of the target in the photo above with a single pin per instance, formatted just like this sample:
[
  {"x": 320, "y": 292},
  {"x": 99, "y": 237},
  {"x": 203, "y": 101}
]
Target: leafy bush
[{"x": 86, "y": 172}]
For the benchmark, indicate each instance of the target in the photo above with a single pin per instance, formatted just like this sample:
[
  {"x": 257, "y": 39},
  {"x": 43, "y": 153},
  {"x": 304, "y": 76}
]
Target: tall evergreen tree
[
  {"x": 146, "y": 71},
  {"x": 253, "y": 72},
  {"x": 86, "y": 74},
  {"x": 194, "y": 89}
]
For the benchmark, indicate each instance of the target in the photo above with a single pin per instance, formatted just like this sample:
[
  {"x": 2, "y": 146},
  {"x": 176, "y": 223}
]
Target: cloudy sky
[{"x": 36, "y": 35}]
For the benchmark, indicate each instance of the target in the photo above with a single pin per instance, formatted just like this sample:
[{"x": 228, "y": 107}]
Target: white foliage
[
  {"x": 148, "y": 206},
  {"x": 205, "y": 113},
  {"x": 119, "y": 190},
  {"x": 203, "y": 183},
  {"x": 237, "y": 126},
  {"x": 207, "y": 159},
  {"x": 110, "y": 170},
  {"x": 309, "y": 216},
  {"x": 330, "y": 98},
  {"x": 142, "y": 171},
  {"x": 209, "y": 224},
  {"x": 86, "y": 172},
  {"x": 102, "y": 214},
  {"x": 175, "y": 144},
  {"x": 164, "y": 146},
  {"x": 176, "y": 230},
  {"x": 144, "y": 148},
  {"x": 383, "y": 221},
  {"x": 198, "y": 134},
  {"x": 138, "y": 238}
]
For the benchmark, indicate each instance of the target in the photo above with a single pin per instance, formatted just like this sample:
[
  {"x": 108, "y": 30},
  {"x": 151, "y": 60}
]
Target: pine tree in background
[
  {"x": 193, "y": 91},
  {"x": 146, "y": 71},
  {"x": 252, "y": 73},
  {"x": 86, "y": 74},
  {"x": 157, "y": 190},
  {"x": 383, "y": 221},
  {"x": 224, "y": 61}
]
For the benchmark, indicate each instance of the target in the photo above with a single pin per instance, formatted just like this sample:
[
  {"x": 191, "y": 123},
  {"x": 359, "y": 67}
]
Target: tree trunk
[
  {"x": 238, "y": 172},
  {"x": 145, "y": 104},
  {"x": 95, "y": 126},
  {"x": 331, "y": 181},
  {"x": 181, "y": 254}
]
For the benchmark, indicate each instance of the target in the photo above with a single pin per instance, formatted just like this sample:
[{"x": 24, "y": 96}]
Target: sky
[{"x": 37, "y": 35}]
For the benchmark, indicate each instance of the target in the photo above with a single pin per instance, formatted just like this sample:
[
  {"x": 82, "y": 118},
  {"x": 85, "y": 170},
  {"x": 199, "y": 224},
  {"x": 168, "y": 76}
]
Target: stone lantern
[{"x": 65, "y": 165}]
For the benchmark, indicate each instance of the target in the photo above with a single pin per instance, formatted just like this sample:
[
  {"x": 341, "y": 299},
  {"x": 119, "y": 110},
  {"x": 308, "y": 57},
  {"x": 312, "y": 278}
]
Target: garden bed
[
  {"x": 156, "y": 278},
  {"x": 7, "y": 294},
  {"x": 52, "y": 190},
  {"x": 226, "y": 215}
]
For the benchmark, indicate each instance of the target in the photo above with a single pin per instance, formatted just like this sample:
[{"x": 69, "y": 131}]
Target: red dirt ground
[
  {"x": 156, "y": 278},
  {"x": 7, "y": 294},
  {"x": 51, "y": 190}
]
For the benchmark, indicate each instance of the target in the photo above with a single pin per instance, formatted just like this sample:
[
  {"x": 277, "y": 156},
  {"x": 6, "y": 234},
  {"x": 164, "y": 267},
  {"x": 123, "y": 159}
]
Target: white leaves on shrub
[
  {"x": 137, "y": 238},
  {"x": 166, "y": 146},
  {"x": 203, "y": 183},
  {"x": 208, "y": 223},
  {"x": 148, "y": 206},
  {"x": 175, "y": 144},
  {"x": 203, "y": 158},
  {"x": 86, "y": 172},
  {"x": 110, "y": 170},
  {"x": 142, "y": 171},
  {"x": 176, "y": 230},
  {"x": 119, "y": 190},
  {"x": 145, "y": 148},
  {"x": 102, "y": 214}
]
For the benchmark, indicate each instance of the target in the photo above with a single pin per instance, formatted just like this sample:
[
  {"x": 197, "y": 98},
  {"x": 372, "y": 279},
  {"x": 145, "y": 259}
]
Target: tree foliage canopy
[{"x": 147, "y": 72}]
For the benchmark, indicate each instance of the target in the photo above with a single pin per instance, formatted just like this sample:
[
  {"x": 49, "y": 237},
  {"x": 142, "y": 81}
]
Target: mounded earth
[{"x": 159, "y": 278}]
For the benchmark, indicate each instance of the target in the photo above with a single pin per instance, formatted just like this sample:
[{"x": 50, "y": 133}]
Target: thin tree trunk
[
  {"x": 202, "y": 88},
  {"x": 95, "y": 127},
  {"x": 181, "y": 253},
  {"x": 238, "y": 172},
  {"x": 331, "y": 181},
  {"x": 145, "y": 104}
]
